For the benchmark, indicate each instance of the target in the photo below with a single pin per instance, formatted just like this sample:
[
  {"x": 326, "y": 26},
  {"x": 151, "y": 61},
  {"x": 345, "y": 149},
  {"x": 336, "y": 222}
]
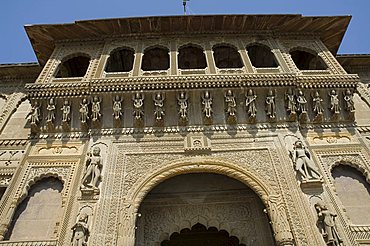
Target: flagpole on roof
[{"x": 184, "y": 4}]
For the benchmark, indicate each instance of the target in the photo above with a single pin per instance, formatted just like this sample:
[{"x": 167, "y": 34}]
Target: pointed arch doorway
[{"x": 202, "y": 209}]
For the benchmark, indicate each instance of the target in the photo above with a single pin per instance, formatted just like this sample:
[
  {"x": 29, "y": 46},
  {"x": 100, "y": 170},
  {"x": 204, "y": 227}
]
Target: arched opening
[
  {"x": 120, "y": 60},
  {"x": 191, "y": 57},
  {"x": 155, "y": 58},
  {"x": 307, "y": 61},
  {"x": 223, "y": 208},
  {"x": 261, "y": 56},
  {"x": 227, "y": 57},
  {"x": 73, "y": 67},
  {"x": 36, "y": 217},
  {"x": 354, "y": 192},
  {"x": 200, "y": 235}
]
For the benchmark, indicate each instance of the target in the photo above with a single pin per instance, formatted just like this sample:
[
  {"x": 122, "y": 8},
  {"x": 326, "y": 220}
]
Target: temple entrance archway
[{"x": 202, "y": 209}]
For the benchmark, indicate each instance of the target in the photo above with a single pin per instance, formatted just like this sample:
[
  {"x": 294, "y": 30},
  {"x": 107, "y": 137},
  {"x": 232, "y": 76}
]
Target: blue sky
[{"x": 14, "y": 14}]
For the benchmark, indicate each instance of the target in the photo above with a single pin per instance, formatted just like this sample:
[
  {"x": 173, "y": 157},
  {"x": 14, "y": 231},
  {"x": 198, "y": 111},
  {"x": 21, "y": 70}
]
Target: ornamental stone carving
[
  {"x": 250, "y": 103},
  {"x": 182, "y": 101},
  {"x": 270, "y": 105},
  {"x": 95, "y": 109},
  {"x": 317, "y": 106},
  {"x": 84, "y": 111},
  {"x": 302, "y": 106},
  {"x": 80, "y": 231},
  {"x": 158, "y": 99},
  {"x": 334, "y": 104},
  {"x": 291, "y": 106},
  {"x": 207, "y": 105},
  {"x": 138, "y": 100},
  {"x": 50, "y": 118},
  {"x": 66, "y": 112},
  {"x": 230, "y": 103},
  {"x": 117, "y": 108},
  {"x": 327, "y": 225},
  {"x": 92, "y": 174}
]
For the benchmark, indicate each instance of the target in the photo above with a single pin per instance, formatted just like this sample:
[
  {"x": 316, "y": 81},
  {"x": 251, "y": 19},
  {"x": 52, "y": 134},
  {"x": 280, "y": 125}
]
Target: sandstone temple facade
[{"x": 186, "y": 130}]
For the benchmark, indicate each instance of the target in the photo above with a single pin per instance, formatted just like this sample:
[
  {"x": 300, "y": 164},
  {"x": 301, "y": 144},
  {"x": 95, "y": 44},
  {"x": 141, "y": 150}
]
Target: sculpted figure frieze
[
  {"x": 95, "y": 109},
  {"x": 291, "y": 104},
  {"x": 80, "y": 231},
  {"x": 250, "y": 103},
  {"x": 182, "y": 101},
  {"x": 303, "y": 162},
  {"x": 34, "y": 115},
  {"x": 66, "y": 111},
  {"x": 92, "y": 174},
  {"x": 51, "y": 111},
  {"x": 334, "y": 103},
  {"x": 326, "y": 224},
  {"x": 317, "y": 106},
  {"x": 117, "y": 107},
  {"x": 138, "y": 100},
  {"x": 207, "y": 105},
  {"x": 270, "y": 105},
  {"x": 230, "y": 103},
  {"x": 158, "y": 99},
  {"x": 348, "y": 98},
  {"x": 84, "y": 111}
]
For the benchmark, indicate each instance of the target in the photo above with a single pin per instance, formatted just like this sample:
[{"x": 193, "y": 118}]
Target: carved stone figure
[
  {"x": 270, "y": 105},
  {"x": 207, "y": 104},
  {"x": 326, "y": 224},
  {"x": 95, "y": 108},
  {"x": 182, "y": 101},
  {"x": 334, "y": 102},
  {"x": 84, "y": 111},
  {"x": 35, "y": 114},
  {"x": 290, "y": 102},
  {"x": 66, "y": 111},
  {"x": 301, "y": 102},
  {"x": 51, "y": 111},
  {"x": 93, "y": 172},
  {"x": 117, "y": 107},
  {"x": 80, "y": 231},
  {"x": 158, "y": 99},
  {"x": 317, "y": 103},
  {"x": 138, "y": 100},
  {"x": 230, "y": 103},
  {"x": 348, "y": 98},
  {"x": 250, "y": 103},
  {"x": 303, "y": 163}
]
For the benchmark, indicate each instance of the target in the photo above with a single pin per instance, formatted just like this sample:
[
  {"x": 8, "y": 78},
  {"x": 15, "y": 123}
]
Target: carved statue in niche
[
  {"x": 94, "y": 165},
  {"x": 303, "y": 163},
  {"x": 66, "y": 111},
  {"x": 302, "y": 102},
  {"x": 34, "y": 114},
  {"x": 182, "y": 101},
  {"x": 95, "y": 109},
  {"x": 117, "y": 107},
  {"x": 250, "y": 103},
  {"x": 326, "y": 224},
  {"x": 138, "y": 100},
  {"x": 317, "y": 104},
  {"x": 84, "y": 111},
  {"x": 334, "y": 102},
  {"x": 207, "y": 104},
  {"x": 291, "y": 103},
  {"x": 270, "y": 105},
  {"x": 348, "y": 98},
  {"x": 230, "y": 103},
  {"x": 158, "y": 99},
  {"x": 80, "y": 231},
  {"x": 51, "y": 111}
]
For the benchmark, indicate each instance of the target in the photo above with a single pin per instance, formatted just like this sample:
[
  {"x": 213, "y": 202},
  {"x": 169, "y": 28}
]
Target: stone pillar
[
  {"x": 209, "y": 57},
  {"x": 137, "y": 61},
  {"x": 173, "y": 58},
  {"x": 126, "y": 230},
  {"x": 244, "y": 54}
]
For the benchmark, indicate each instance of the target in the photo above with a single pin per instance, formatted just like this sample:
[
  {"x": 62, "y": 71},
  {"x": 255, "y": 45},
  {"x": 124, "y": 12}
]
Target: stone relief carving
[
  {"x": 270, "y": 105},
  {"x": 138, "y": 100},
  {"x": 84, "y": 111},
  {"x": 207, "y": 105},
  {"x": 34, "y": 115},
  {"x": 182, "y": 101},
  {"x": 92, "y": 174},
  {"x": 326, "y": 224},
  {"x": 317, "y": 106},
  {"x": 117, "y": 107},
  {"x": 250, "y": 103},
  {"x": 66, "y": 112},
  {"x": 80, "y": 231},
  {"x": 334, "y": 104},
  {"x": 302, "y": 106},
  {"x": 95, "y": 109},
  {"x": 291, "y": 104},
  {"x": 230, "y": 102},
  {"x": 51, "y": 111},
  {"x": 158, "y": 99},
  {"x": 349, "y": 104},
  {"x": 303, "y": 163}
]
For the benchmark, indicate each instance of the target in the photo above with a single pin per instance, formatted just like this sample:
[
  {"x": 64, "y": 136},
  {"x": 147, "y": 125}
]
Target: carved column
[
  {"x": 279, "y": 221},
  {"x": 126, "y": 230}
]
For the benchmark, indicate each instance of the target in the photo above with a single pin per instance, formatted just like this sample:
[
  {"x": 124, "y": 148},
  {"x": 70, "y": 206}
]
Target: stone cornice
[{"x": 78, "y": 88}]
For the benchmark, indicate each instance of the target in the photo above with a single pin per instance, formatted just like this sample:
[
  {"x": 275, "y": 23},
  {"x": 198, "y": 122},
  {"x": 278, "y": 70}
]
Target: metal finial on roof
[{"x": 184, "y": 4}]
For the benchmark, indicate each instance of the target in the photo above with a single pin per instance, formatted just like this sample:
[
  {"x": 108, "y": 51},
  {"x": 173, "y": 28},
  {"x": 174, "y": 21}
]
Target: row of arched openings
[
  {"x": 38, "y": 214},
  {"x": 189, "y": 57}
]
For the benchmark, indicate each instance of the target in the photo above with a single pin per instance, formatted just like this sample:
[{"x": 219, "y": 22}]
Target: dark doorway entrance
[{"x": 199, "y": 235}]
